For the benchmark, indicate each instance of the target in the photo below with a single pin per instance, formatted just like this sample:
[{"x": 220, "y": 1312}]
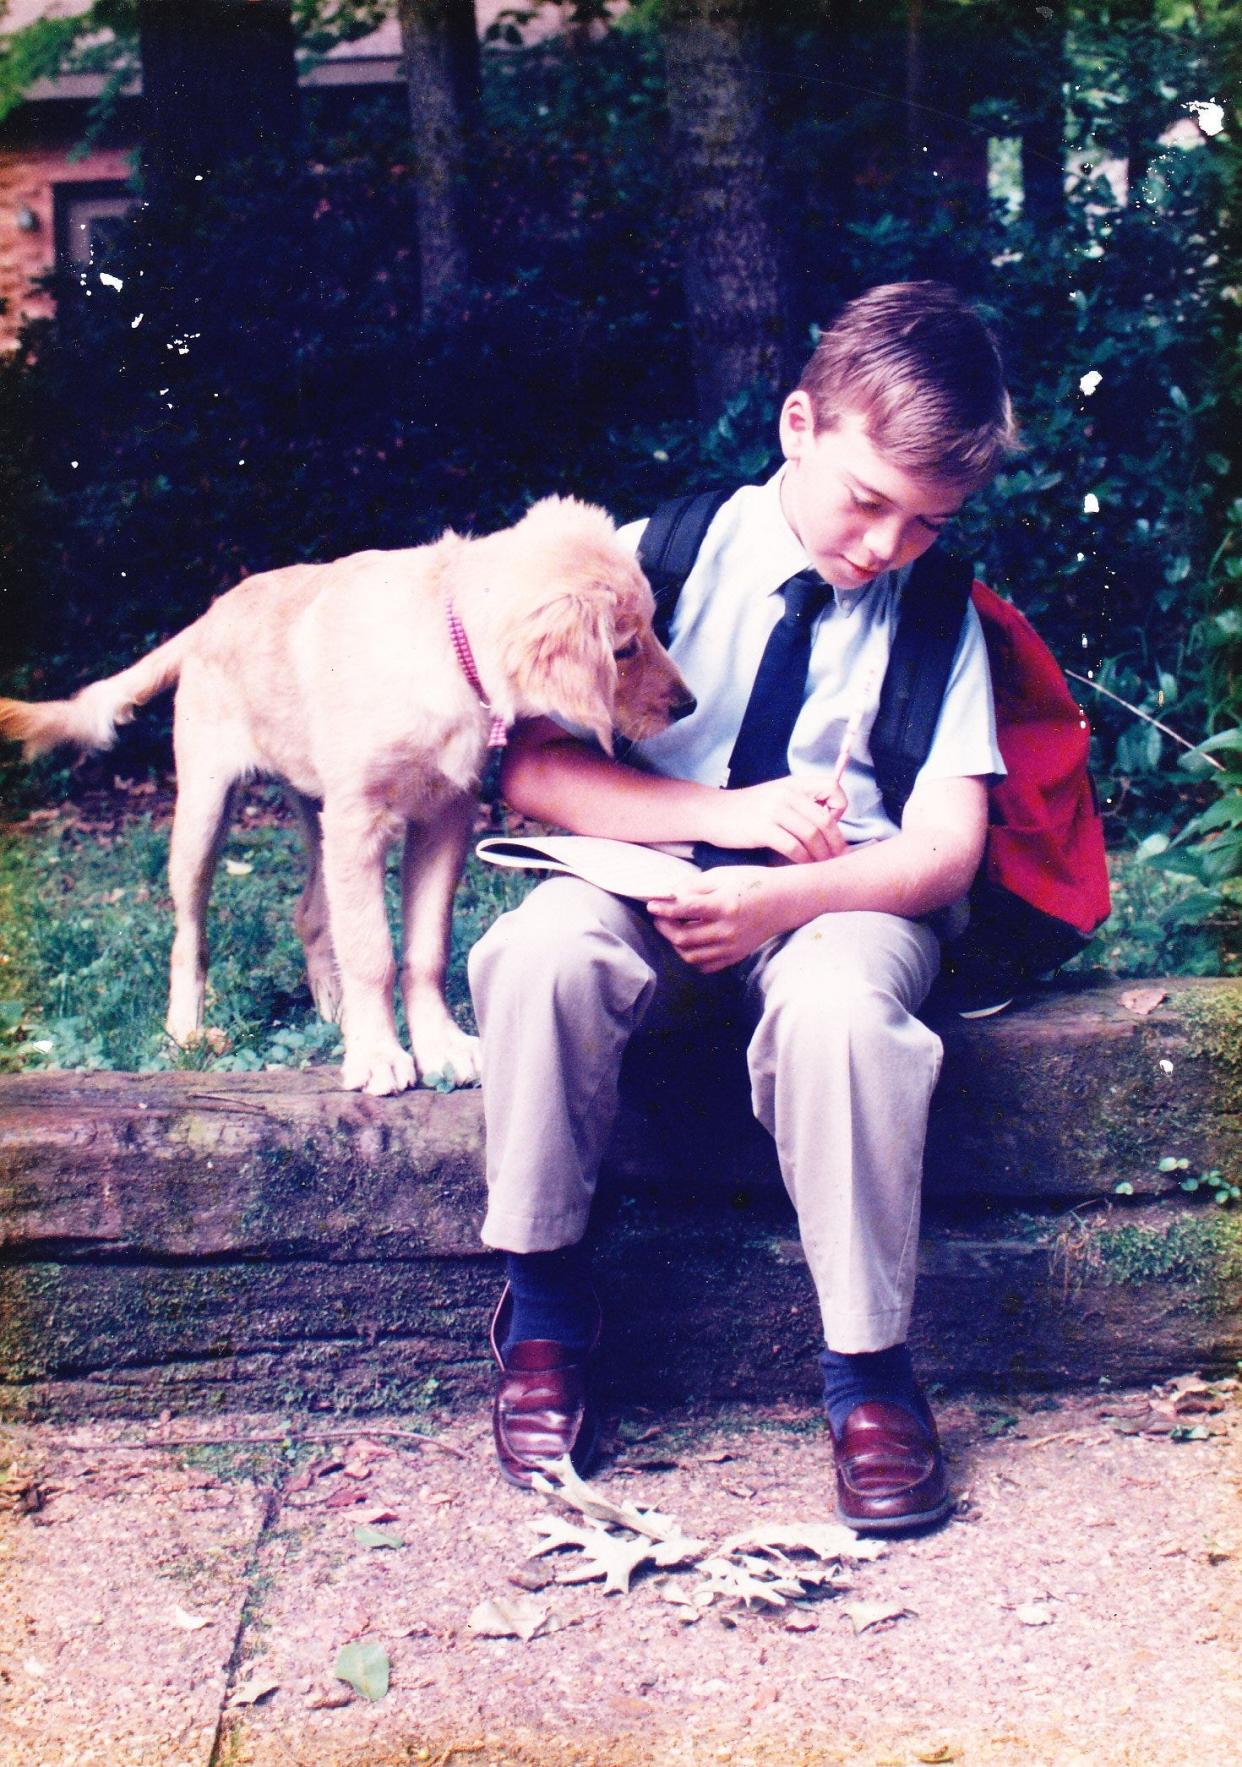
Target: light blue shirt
[{"x": 727, "y": 608}]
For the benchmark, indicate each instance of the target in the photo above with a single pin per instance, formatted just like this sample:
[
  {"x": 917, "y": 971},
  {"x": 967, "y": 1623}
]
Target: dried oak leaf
[
  {"x": 610, "y": 1556},
  {"x": 504, "y": 1616},
  {"x": 257, "y": 1685},
  {"x": 826, "y": 1540},
  {"x": 577, "y": 1494},
  {"x": 868, "y": 1616}
]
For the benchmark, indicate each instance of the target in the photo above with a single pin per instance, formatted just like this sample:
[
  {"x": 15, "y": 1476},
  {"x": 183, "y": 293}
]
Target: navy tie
[{"x": 761, "y": 750}]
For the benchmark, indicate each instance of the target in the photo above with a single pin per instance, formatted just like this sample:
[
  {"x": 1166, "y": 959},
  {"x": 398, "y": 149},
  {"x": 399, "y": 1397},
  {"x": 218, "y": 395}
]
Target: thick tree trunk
[
  {"x": 440, "y": 41},
  {"x": 731, "y": 262},
  {"x": 219, "y": 82},
  {"x": 1043, "y": 139}
]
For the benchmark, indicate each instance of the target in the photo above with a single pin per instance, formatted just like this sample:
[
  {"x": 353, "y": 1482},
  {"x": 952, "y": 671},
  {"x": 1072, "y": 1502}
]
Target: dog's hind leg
[
  {"x": 431, "y": 866},
  {"x": 355, "y": 838},
  {"x": 206, "y": 798},
  {"x": 310, "y": 917}
]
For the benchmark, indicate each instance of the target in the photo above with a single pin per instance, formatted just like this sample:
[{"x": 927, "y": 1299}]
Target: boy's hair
[{"x": 919, "y": 366}]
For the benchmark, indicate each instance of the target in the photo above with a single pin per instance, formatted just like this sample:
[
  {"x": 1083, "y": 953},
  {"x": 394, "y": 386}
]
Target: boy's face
[{"x": 854, "y": 511}]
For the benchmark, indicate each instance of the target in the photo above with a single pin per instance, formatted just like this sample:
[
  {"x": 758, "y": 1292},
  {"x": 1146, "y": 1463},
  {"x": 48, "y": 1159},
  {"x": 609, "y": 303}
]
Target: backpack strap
[
  {"x": 669, "y": 546},
  {"x": 929, "y": 623}
]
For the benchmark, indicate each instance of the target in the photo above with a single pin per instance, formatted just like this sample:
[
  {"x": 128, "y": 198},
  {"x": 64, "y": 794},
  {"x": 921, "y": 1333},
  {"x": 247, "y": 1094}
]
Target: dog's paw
[
  {"x": 381, "y": 1070},
  {"x": 452, "y": 1054}
]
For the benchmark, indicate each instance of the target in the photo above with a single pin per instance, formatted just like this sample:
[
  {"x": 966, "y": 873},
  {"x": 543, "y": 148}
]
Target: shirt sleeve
[{"x": 964, "y": 742}]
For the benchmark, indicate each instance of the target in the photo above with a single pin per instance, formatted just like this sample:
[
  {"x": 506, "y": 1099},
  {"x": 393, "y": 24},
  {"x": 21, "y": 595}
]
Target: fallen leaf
[
  {"x": 503, "y": 1616},
  {"x": 607, "y": 1555},
  {"x": 328, "y": 1696},
  {"x": 801, "y": 1623},
  {"x": 365, "y": 1667},
  {"x": 826, "y": 1540},
  {"x": 577, "y": 1494},
  {"x": 935, "y": 1756},
  {"x": 355, "y": 1469},
  {"x": 1142, "y": 1000},
  {"x": 377, "y": 1538},
  {"x": 532, "y": 1576},
  {"x": 257, "y": 1685},
  {"x": 34, "y": 1668},
  {"x": 716, "y": 1456},
  {"x": 378, "y": 1514},
  {"x": 867, "y": 1616},
  {"x": 342, "y": 1497},
  {"x": 188, "y": 1622},
  {"x": 1035, "y": 1613}
]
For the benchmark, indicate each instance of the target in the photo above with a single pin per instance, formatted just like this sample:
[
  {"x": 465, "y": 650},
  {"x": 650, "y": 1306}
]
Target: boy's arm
[
  {"x": 553, "y": 776},
  {"x": 928, "y": 865}
]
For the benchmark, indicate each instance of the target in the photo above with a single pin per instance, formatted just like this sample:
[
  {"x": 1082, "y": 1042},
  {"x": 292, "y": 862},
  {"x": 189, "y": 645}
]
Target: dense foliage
[{"x": 251, "y": 386}]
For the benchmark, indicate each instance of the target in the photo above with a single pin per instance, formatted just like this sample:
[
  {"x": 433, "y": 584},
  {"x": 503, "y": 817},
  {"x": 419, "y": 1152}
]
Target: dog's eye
[{"x": 625, "y": 653}]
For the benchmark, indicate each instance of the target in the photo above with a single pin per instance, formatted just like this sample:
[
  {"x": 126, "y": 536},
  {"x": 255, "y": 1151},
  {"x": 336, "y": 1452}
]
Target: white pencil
[{"x": 852, "y": 729}]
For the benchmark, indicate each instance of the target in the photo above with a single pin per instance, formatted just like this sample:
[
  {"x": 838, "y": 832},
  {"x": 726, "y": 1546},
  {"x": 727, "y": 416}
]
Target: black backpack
[{"x": 1043, "y": 887}]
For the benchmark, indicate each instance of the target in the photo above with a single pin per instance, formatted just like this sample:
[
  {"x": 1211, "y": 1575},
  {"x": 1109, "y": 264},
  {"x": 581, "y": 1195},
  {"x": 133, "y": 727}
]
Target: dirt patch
[{"x": 1081, "y": 1606}]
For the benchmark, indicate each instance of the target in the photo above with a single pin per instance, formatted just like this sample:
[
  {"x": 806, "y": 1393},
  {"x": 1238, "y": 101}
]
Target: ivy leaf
[{"x": 365, "y": 1667}]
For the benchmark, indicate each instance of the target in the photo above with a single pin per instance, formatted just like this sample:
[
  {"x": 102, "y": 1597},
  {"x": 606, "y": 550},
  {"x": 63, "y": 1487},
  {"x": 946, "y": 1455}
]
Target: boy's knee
[{"x": 563, "y": 933}]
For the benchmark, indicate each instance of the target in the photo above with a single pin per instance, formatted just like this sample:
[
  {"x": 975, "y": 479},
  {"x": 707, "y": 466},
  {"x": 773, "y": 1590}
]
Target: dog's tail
[{"x": 89, "y": 720}]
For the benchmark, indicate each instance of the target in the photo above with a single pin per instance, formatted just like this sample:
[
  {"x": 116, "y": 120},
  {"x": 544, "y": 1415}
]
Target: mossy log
[{"x": 165, "y": 1237}]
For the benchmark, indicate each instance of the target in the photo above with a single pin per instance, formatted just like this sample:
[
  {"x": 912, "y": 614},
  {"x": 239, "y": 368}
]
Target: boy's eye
[{"x": 867, "y": 503}]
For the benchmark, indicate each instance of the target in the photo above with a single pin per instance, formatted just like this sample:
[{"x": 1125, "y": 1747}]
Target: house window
[{"x": 89, "y": 220}]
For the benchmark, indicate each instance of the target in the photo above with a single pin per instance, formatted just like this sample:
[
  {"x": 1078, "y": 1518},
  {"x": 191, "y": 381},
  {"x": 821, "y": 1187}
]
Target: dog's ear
[{"x": 562, "y": 661}]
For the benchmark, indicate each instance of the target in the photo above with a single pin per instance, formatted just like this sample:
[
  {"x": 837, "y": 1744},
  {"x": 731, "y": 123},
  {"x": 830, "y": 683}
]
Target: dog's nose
[{"x": 683, "y": 707}]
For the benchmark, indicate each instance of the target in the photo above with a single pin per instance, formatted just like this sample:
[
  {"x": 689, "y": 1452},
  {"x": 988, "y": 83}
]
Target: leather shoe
[
  {"x": 890, "y": 1470},
  {"x": 542, "y": 1408}
]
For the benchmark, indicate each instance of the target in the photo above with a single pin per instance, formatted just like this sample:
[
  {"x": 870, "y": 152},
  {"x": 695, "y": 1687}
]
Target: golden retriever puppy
[{"x": 371, "y": 686}]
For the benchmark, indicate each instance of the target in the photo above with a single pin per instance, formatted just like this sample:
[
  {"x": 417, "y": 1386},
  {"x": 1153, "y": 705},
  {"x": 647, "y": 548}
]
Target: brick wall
[{"x": 27, "y": 179}]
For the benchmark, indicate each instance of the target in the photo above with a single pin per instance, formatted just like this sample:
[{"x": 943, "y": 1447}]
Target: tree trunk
[
  {"x": 441, "y": 46},
  {"x": 1043, "y": 139},
  {"x": 730, "y": 255},
  {"x": 219, "y": 82}
]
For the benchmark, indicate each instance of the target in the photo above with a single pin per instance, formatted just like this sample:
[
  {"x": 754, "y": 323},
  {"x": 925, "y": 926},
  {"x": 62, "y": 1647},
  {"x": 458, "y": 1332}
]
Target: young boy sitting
[{"x": 829, "y": 942}]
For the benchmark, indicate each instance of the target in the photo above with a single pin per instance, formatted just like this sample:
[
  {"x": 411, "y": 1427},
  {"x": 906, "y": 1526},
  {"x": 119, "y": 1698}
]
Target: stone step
[{"x": 163, "y": 1236}]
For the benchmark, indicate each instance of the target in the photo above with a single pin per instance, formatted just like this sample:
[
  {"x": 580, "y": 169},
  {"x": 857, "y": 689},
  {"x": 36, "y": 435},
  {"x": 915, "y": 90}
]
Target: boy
[{"x": 901, "y": 413}]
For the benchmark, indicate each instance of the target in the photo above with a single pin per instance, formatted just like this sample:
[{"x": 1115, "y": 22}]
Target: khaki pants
[{"x": 841, "y": 1075}]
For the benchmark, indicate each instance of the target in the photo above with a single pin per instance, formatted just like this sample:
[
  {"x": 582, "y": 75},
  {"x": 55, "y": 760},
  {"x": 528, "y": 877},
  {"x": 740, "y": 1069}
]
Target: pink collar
[{"x": 497, "y": 735}]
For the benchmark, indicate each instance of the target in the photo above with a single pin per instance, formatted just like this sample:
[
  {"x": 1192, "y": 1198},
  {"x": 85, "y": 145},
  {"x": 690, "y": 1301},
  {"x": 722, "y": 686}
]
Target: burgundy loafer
[
  {"x": 890, "y": 1471},
  {"x": 542, "y": 1408}
]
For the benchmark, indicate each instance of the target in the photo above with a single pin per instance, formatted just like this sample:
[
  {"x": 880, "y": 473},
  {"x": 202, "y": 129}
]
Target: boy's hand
[
  {"x": 795, "y": 818},
  {"x": 718, "y": 922}
]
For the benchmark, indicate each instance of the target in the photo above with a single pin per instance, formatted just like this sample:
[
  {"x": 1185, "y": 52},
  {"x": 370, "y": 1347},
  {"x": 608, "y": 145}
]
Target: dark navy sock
[
  {"x": 872, "y": 1374},
  {"x": 552, "y": 1298}
]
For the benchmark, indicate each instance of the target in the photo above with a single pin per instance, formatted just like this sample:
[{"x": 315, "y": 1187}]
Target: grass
[{"x": 86, "y": 924}]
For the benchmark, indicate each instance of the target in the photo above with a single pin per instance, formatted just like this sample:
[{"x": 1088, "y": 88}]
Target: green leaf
[
  {"x": 1177, "y": 397},
  {"x": 365, "y": 1667},
  {"x": 366, "y": 1535},
  {"x": 1125, "y": 1188}
]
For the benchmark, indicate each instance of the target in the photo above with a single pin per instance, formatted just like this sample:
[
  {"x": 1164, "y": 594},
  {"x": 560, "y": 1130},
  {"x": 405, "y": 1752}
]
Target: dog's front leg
[
  {"x": 431, "y": 866},
  {"x": 355, "y": 837}
]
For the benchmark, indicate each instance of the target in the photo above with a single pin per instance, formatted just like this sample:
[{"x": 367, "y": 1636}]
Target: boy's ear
[{"x": 797, "y": 426}]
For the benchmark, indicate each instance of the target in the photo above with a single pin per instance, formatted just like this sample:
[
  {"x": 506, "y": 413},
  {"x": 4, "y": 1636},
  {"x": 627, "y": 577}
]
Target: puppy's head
[{"x": 580, "y": 647}]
